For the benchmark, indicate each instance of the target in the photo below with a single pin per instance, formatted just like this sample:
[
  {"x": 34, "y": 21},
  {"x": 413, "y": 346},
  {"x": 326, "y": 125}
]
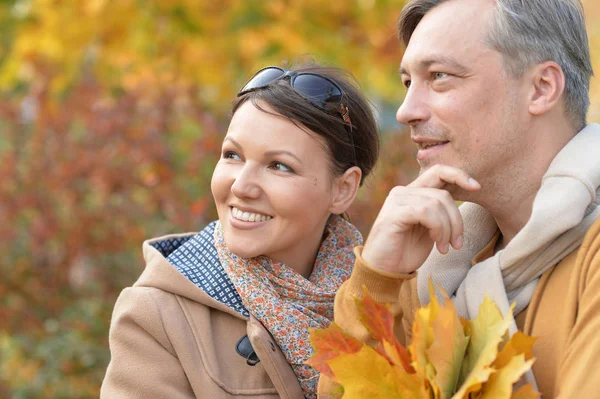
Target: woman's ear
[
  {"x": 548, "y": 85},
  {"x": 345, "y": 189}
]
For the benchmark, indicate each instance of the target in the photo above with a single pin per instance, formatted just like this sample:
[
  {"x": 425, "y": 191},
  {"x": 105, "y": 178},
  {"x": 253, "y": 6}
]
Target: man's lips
[
  {"x": 430, "y": 149},
  {"x": 423, "y": 145}
]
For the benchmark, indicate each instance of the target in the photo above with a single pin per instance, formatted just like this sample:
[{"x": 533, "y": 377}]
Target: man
[{"x": 498, "y": 92}]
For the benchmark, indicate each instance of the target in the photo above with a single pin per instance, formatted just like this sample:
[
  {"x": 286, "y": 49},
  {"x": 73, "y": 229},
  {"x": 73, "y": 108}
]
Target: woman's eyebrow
[
  {"x": 270, "y": 153},
  {"x": 282, "y": 152},
  {"x": 235, "y": 143}
]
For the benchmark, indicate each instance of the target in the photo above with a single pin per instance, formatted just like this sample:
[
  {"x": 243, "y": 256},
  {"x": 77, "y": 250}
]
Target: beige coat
[{"x": 169, "y": 339}]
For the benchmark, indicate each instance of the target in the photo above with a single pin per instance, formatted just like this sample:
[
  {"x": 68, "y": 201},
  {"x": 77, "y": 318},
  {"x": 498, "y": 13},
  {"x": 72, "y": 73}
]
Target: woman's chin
[{"x": 244, "y": 252}]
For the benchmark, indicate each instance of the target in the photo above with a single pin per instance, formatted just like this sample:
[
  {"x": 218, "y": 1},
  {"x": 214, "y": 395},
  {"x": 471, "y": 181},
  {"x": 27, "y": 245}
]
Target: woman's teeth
[{"x": 249, "y": 217}]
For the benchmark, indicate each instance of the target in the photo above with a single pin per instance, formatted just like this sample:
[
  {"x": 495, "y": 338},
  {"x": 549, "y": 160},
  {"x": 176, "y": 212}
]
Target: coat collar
[{"x": 159, "y": 273}]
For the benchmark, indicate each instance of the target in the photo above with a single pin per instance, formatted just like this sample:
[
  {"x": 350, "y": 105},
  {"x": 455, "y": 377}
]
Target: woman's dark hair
[{"x": 284, "y": 100}]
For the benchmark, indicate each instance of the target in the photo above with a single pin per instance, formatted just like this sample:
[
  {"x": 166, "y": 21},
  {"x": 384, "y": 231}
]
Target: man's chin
[
  {"x": 428, "y": 163},
  {"x": 425, "y": 165}
]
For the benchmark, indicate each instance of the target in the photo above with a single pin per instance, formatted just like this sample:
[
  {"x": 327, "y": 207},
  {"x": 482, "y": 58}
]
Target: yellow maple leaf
[
  {"x": 518, "y": 344},
  {"x": 372, "y": 376},
  {"x": 487, "y": 331},
  {"x": 422, "y": 338},
  {"x": 447, "y": 351},
  {"x": 438, "y": 345},
  {"x": 500, "y": 383}
]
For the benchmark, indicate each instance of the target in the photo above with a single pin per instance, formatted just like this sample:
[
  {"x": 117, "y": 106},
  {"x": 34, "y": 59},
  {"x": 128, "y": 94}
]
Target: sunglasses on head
[{"x": 321, "y": 91}]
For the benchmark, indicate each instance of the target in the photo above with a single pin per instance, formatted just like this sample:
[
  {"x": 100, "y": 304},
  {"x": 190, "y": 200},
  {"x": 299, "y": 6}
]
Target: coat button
[{"x": 272, "y": 346}]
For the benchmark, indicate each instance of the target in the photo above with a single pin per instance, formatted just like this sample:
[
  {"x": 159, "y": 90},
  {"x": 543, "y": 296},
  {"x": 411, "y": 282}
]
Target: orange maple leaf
[
  {"x": 328, "y": 344},
  {"x": 379, "y": 321}
]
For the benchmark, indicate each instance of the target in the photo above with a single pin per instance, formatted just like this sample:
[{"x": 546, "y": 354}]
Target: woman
[{"x": 226, "y": 312}]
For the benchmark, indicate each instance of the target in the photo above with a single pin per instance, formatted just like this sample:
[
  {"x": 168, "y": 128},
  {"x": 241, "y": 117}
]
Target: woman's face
[{"x": 273, "y": 187}]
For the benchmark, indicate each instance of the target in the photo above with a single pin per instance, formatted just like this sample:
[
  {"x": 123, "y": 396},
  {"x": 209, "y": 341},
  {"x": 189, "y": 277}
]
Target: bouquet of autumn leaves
[{"x": 448, "y": 357}]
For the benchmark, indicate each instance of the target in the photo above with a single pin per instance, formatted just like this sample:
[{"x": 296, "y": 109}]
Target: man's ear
[
  {"x": 345, "y": 189},
  {"x": 548, "y": 83}
]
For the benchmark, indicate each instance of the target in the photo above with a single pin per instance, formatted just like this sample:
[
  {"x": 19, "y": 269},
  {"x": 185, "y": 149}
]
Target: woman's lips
[{"x": 236, "y": 219}]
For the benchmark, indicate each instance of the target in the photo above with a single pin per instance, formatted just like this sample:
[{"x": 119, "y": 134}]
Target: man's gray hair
[{"x": 529, "y": 32}]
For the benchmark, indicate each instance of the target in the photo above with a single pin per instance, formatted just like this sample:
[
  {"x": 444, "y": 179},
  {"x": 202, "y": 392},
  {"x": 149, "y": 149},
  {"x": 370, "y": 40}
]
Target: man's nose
[
  {"x": 247, "y": 183},
  {"x": 414, "y": 109}
]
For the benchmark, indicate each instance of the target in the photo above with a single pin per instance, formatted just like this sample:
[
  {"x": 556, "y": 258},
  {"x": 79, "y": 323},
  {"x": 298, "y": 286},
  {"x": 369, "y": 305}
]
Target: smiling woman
[
  {"x": 277, "y": 172},
  {"x": 226, "y": 312}
]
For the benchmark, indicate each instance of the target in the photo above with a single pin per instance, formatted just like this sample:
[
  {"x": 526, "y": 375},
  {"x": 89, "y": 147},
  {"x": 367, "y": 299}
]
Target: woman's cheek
[
  {"x": 218, "y": 184},
  {"x": 299, "y": 197}
]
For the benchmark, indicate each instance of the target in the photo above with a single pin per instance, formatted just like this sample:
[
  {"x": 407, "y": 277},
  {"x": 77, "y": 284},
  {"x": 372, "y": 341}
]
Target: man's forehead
[
  {"x": 454, "y": 20},
  {"x": 449, "y": 34}
]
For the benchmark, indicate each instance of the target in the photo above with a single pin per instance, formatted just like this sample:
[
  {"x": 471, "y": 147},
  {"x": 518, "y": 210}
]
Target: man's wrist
[
  {"x": 382, "y": 285},
  {"x": 379, "y": 264}
]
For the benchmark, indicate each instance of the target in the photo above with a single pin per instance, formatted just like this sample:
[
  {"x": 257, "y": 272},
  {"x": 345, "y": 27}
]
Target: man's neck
[
  {"x": 511, "y": 205},
  {"x": 512, "y": 219}
]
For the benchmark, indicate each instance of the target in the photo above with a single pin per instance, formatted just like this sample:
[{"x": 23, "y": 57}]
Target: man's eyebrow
[
  {"x": 282, "y": 152},
  {"x": 443, "y": 60}
]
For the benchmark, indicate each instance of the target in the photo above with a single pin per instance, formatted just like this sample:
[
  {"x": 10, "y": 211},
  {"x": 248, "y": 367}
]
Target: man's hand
[{"x": 415, "y": 217}]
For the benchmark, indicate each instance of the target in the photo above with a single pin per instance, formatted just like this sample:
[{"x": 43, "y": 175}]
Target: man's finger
[
  {"x": 421, "y": 196},
  {"x": 438, "y": 176}
]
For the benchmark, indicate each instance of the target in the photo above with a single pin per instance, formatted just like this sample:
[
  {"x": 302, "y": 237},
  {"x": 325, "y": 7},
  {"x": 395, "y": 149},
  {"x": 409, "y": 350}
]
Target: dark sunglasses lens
[
  {"x": 318, "y": 91},
  {"x": 263, "y": 78}
]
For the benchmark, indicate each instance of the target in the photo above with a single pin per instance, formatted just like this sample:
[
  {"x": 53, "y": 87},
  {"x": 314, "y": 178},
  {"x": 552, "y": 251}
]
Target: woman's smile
[
  {"x": 249, "y": 216},
  {"x": 242, "y": 220}
]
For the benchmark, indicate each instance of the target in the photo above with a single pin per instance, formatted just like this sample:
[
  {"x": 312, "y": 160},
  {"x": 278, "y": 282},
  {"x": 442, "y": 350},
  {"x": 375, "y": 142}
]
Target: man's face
[{"x": 462, "y": 108}]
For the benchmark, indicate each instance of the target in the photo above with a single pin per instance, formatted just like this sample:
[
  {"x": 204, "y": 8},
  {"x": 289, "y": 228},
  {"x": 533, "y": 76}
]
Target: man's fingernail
[
  {"x": 459, "y": 242},
  {"x": 445, "y": 248},
  {"x": 473, "y": 182}
]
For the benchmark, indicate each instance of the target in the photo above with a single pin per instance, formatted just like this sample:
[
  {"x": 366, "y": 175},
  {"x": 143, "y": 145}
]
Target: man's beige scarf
[{"x": 564, "y": 209}]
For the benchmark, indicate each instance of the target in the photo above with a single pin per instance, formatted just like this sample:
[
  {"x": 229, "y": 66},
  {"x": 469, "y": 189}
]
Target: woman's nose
[{"x": 247, "y": 184}]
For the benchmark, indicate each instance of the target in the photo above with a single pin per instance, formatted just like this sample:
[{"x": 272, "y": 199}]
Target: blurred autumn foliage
[{"x": 111, "y": 116}]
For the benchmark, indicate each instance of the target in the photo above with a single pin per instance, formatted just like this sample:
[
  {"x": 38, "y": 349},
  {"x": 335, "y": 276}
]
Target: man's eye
[
  {"x": 231, "y": 155},
  {"x": 439, "y": 75},
  {"x": 407, "y": 83},
  {"x": 281, "y": 167}
]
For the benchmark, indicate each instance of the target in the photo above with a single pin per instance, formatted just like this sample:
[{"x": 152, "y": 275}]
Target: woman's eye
[
  {"x": 281, "y": 167},
  {"x": 407, "y": 83},
  {"x": 231, "y": 155}
]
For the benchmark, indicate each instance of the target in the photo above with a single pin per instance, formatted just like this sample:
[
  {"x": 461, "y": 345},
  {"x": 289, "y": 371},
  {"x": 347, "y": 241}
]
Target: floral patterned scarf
[{"x": 288, "y": 304}]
